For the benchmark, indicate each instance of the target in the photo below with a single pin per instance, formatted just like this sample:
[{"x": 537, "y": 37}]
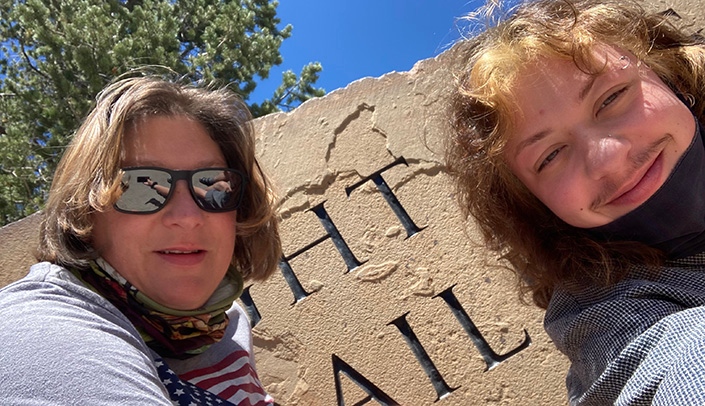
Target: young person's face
[
  {"x": 593, "y": 148},
  {"x": 178, "y": 255}
]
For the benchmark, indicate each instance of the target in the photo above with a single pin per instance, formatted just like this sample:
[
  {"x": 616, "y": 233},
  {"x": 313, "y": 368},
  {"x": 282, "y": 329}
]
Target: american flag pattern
[{"x": 232, "y": 381}]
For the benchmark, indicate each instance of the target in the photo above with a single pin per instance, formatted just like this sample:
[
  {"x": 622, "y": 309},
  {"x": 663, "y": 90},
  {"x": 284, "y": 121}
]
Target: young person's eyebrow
[
  {"x": 530, "y": 141},
  {"x": 586, "y": 89},
  {"x": 543, "y": 133}
]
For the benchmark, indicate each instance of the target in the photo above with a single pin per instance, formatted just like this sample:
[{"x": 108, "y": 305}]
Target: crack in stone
[
  {"x": 311, "y": 189},
  {"x": 345, "y": 123},
  {"x": 352, "y": 117}
]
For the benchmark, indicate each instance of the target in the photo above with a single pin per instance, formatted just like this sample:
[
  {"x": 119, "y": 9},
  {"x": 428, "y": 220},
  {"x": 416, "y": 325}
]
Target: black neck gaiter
[{"x": 673, "y": 219}]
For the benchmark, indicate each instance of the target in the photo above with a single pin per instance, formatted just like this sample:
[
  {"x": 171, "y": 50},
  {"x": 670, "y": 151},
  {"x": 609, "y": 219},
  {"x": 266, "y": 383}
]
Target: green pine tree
[{"x": 57, "y": 55}]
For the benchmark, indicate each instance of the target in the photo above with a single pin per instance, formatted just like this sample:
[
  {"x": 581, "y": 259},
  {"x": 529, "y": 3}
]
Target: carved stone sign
[{"x": 385, "y": 295}]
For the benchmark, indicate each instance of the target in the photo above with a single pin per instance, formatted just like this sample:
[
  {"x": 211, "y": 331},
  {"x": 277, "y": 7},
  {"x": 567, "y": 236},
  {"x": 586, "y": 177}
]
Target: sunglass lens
[
  {"x": 217, "y": 189},
  {"x": 144, "y": 190}
]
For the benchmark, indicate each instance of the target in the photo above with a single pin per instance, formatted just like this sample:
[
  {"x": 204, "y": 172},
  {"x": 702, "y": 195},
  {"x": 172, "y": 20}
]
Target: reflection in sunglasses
[{"x": 222, "y": 188}]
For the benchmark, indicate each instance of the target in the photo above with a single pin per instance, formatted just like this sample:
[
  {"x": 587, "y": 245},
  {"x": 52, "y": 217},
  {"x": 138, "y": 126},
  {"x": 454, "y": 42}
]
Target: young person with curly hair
[{"x": 577, "y": 149}]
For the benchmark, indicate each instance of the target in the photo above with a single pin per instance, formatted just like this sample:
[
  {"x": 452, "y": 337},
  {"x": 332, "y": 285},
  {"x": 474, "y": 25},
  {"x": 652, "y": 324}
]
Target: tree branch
[{"x": 29, "y": 62}]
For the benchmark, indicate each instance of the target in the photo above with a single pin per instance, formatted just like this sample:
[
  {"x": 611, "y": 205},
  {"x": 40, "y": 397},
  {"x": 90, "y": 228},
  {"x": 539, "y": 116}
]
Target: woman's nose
[
  {"x": 181, "y": 209},
  {"x": 606, "y": 155}
]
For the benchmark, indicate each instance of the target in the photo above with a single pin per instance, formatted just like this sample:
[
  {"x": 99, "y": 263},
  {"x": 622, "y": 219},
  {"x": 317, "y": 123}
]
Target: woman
[
  {"x": 577, "y": 149},
  {"x": 134, "y": 302}
]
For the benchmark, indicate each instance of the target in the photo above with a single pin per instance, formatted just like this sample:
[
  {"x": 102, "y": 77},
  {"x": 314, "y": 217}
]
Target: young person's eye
[
  {"x": 611, "y": 98},
  {"x": 550, "y": 157}
]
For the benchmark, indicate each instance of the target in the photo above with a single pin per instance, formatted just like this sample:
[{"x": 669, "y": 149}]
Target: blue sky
[{"x": 356, "y": 39}]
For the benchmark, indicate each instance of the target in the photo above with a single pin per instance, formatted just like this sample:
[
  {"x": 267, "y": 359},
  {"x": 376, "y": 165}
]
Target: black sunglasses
[{"x": 146, "y": 190}]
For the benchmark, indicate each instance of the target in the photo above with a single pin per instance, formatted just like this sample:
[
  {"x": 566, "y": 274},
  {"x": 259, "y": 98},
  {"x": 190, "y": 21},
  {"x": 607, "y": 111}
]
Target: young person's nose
[
  {"x": 181, "y": 209},
  {"x": 606, "y": 154}
]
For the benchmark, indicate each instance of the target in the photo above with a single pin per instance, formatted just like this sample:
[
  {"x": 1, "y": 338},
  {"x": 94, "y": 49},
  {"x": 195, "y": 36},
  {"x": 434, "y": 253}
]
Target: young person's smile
[{"x": 594, "y": 147}]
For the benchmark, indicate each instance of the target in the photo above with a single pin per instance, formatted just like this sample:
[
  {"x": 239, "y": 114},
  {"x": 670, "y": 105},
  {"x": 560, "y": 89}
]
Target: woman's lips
[
  {"x": 644, "y": 187},
  {"x": 182, "y": 257}
]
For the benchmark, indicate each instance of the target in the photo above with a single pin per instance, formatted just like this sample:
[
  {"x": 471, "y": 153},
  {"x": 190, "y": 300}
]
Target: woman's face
[
  {"x": 593, "y": 148},
  {"x": 178, "y": 255}
]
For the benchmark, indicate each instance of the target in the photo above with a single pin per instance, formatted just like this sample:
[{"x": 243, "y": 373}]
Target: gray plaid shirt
[{"x": 640, "y": 342}]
